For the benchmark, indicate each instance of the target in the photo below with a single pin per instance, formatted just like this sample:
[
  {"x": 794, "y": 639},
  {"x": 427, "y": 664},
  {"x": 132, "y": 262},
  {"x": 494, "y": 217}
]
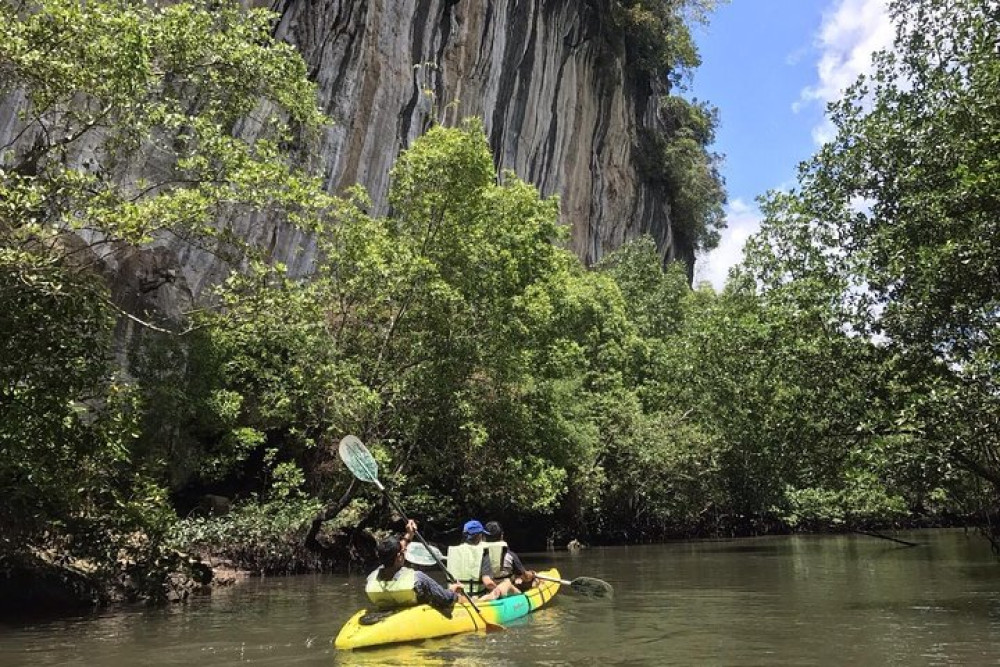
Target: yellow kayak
[{"x": 425, "y": 622}]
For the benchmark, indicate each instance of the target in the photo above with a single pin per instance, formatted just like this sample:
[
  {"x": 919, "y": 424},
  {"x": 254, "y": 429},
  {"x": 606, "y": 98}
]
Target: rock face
[
  {"x": 559, "y": 103},
  {"x": 561, "y": 106}
]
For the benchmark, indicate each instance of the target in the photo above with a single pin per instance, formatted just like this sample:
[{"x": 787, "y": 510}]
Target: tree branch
[
  {"x": 329, "y": 512},
  {"x": 991, "y": 476}
]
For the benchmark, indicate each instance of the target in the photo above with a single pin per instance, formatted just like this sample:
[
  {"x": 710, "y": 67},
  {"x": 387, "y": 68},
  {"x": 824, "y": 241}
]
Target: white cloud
[
  {"x": 742, "y": 221},
  {"x": 824, "y": 133},
  {"x": 796, "y": 56},
  {"x": 852, "y": 30}
]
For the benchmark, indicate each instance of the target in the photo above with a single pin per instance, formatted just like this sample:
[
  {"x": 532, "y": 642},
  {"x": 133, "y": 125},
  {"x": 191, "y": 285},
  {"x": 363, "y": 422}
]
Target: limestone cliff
[{"x": 561, "y": 105}]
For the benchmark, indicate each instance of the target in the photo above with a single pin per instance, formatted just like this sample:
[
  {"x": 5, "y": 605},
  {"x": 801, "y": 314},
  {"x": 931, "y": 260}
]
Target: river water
[{"x": 804, "y": 600}]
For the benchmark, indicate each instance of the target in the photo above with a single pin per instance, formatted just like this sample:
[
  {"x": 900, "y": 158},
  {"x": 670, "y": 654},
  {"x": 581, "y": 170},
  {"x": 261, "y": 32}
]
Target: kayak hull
[{"x": 425, "y": 622}]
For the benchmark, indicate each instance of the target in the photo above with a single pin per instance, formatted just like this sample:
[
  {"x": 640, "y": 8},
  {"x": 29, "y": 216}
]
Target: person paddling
[
  {"x": 393, "y": 585},
  {"x": 511, "y": 577}
]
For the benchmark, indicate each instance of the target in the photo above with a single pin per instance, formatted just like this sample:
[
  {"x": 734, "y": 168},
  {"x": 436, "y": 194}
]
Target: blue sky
[{"x": 770, "y": 67}]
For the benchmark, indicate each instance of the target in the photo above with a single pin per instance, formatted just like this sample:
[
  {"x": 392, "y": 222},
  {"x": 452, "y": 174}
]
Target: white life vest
[
  {"x": 465, "y": 562},
  {"x": 397, "y": 592},
  {"x": 496, "y": 550}
]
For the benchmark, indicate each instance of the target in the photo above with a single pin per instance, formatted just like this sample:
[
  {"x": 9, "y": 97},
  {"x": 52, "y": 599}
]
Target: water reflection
[{"x": 770, "y": 601}]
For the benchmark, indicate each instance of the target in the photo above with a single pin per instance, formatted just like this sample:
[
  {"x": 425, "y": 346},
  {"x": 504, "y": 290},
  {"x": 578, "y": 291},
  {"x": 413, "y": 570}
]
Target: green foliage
[
  {"x": 67, "y": 419},
  {"x": 892, "y": 226},
  {"x": 656, "y": 34},
  {"x": 489, "y": 371},
  {"x": 262, "y": 538},
  {"x": 657, "y": 473},
  {"x": 261, "y": 535},
  {"x": 105, "y": 87},
  {"x": 419, "y": 325},
  {"x": 865, "y": 500},
  {"x": 676, "y": 157},
  {"x": 452, "y": 345},
  {"x": 108, "y": 84},
  {"x": 654, "y": 297},
  {"x": 765, "y": 396}
]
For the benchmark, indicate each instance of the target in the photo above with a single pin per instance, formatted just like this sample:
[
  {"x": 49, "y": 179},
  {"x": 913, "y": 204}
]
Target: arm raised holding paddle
[{"x": 393, "y": 585}]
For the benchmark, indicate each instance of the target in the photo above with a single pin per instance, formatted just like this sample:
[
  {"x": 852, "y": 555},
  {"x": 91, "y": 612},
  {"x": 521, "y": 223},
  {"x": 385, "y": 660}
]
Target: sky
[{"x": 770, "y": 67}]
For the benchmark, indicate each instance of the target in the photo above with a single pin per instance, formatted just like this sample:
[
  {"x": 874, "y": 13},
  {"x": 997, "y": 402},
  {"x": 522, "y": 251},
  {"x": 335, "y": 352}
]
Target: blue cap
[{"x": 473, "y": 528}]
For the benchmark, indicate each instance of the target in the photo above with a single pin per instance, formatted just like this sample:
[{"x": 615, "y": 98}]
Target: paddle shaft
[
  {"x": 447, "y": 574},
  {"x": 588, "y": 586}
]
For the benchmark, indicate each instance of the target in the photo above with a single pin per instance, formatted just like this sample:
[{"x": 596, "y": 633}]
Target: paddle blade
[
  {"x": 358, "y": 459},
  {"x": 418, "y": 554},
  {"x": 591, "y": 587}
]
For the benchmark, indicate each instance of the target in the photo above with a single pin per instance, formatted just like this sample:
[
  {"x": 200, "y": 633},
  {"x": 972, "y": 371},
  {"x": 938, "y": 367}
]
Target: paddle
[
  {"x": 589, "y": 586},
  {"x": 423, "y": 554},
  {"x": 363, "y": 465}
]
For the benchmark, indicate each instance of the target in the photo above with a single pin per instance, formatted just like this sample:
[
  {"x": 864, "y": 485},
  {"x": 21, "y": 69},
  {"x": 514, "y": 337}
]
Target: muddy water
[{"x": 818, "y": 600}]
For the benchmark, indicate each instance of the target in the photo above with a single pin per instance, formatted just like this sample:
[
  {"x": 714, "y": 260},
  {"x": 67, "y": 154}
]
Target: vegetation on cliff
[
  {"x": 844, "y": 379},
  {"x": 673, "y": 151}
]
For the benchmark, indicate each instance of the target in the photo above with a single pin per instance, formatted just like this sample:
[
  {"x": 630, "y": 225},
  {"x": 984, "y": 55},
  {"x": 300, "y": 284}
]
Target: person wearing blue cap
[{"x": 472, "y": 561}]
